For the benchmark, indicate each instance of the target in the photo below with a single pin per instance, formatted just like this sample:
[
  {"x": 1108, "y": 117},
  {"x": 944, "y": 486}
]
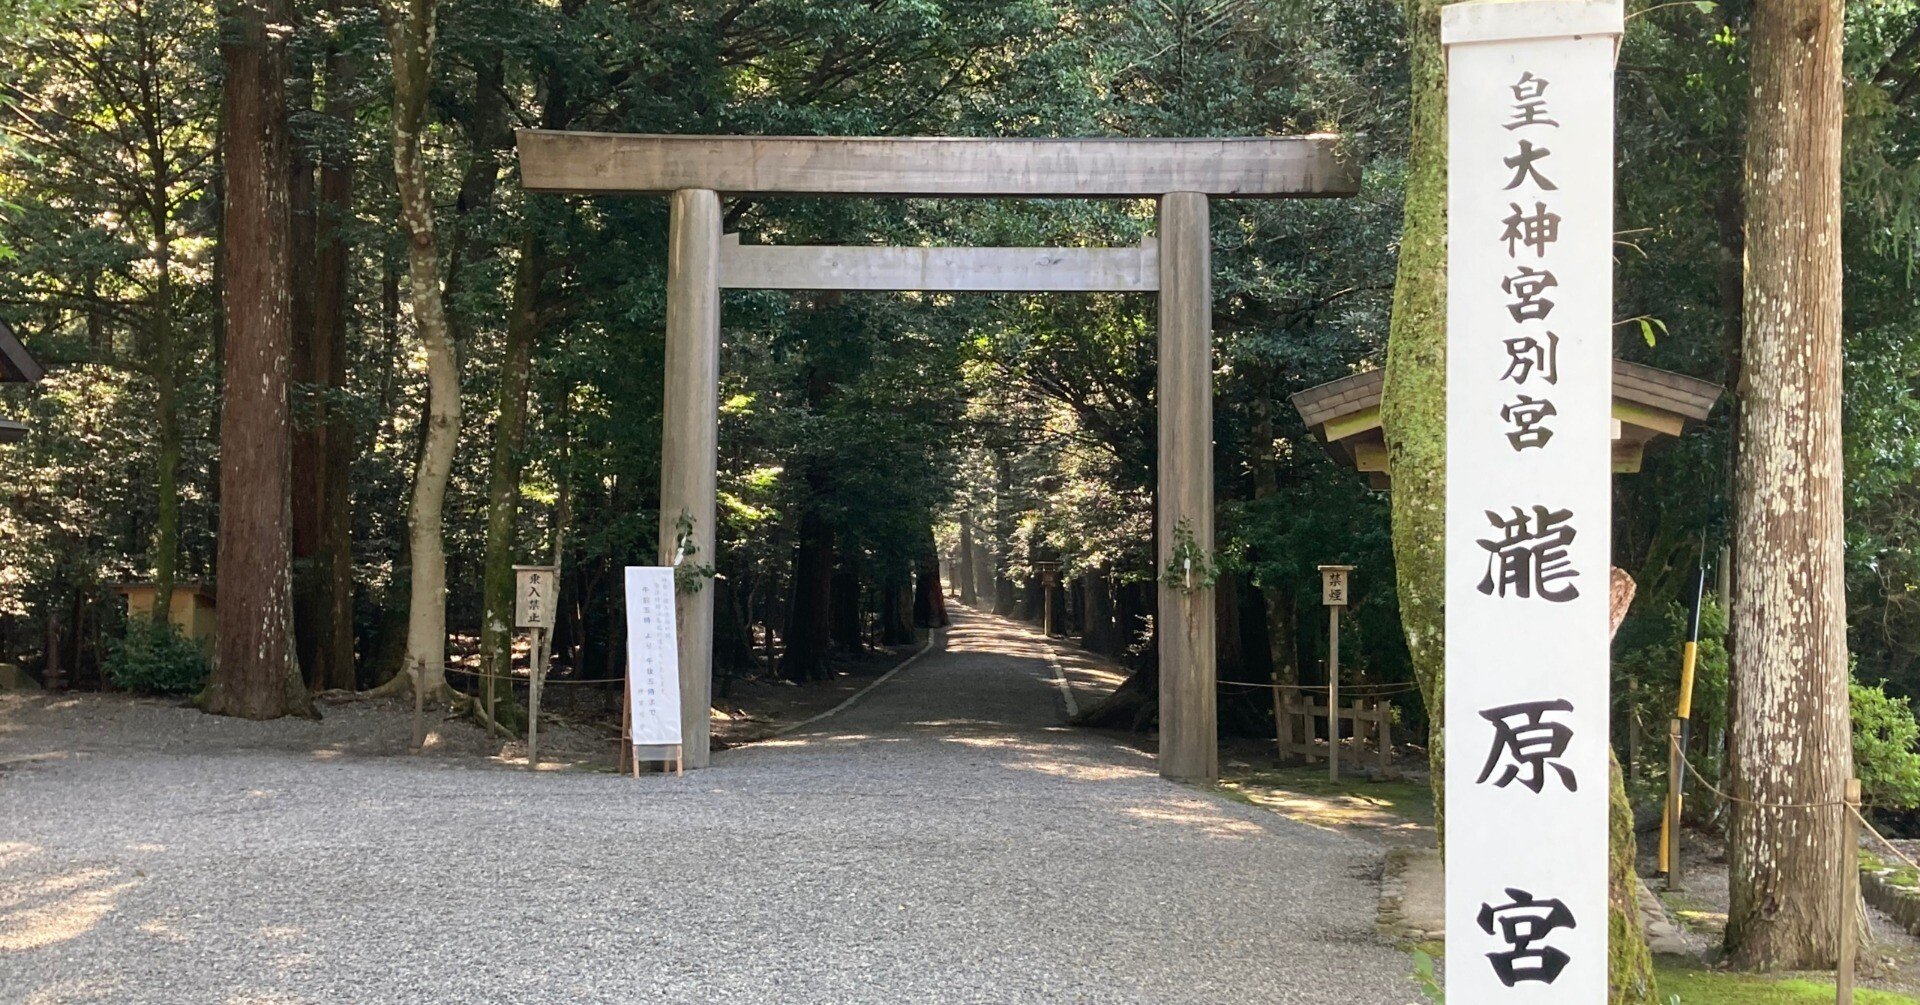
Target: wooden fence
[{"x": 1300, "y": 719}]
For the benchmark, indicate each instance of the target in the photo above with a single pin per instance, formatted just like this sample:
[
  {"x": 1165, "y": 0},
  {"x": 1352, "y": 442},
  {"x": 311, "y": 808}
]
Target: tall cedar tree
[
  {"x": 1791, "y": 740},
  {"x": 255, "y": 675}
]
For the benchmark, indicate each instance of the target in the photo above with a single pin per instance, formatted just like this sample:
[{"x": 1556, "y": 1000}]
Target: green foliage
[
  {"x": 1190, "y": 567},
  {"x": 1886, "y": 747},
  {"x": 1651, "y": 644},
  {"x": 1425, "y": 978},
  {"x": 155, "y": 658},
  {"x": 688, "y": 576}
]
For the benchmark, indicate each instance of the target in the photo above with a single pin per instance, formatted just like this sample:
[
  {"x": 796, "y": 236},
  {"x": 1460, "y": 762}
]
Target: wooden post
[
  {"x": 489, "y": 682},
  {"x": 1633, "y": 727},
  {"x": 626, "y": 727},
  {"x": 1333, "y": 693},
  {"x": 689, "y": 440},
  {"x": 1670, "y": 825},
  {"x": 419, "y": 707},
  {"x": 1185, "y": 624},
  {"x": 1382, "y": 735},
  {"x": 536, "y": 675},
  {"x": 1282, "y": 724},
  {"x": 1850, "y": 890},
  {"x": 1300, "y": 727}
]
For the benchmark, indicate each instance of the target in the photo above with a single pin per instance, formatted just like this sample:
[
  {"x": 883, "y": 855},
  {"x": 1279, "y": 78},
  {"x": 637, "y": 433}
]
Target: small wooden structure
[
  {"x": 16, "y": 367},
  {"x": 1648, "y": 403},
  {"x": 191, "y": 610},
  {"x": 1364, "y": 719}
]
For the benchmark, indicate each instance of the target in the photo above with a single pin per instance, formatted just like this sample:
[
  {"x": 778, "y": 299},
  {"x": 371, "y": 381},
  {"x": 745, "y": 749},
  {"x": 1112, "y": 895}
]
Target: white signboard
[
  {"x": 1529, "y": 472},
  {"x": 534, "y": 592},
  {"x": 653, "y": 656}
]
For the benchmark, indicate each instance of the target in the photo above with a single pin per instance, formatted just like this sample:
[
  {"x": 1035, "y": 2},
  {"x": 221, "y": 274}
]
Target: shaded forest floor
[{"x": 579, "y": 725}]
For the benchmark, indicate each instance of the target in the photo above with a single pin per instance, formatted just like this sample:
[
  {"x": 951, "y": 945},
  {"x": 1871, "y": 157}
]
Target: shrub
[
  {"x": 1885, "y": 735},
  {"x": 155, "y": 659}
]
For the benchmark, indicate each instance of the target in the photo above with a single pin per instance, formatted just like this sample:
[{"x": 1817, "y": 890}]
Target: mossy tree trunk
[
  {"x": 1629, "y": 961},
  {"x": 1413, "y": 406}
]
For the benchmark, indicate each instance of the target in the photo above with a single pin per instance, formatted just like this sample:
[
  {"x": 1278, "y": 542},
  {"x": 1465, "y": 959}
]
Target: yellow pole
[{"x": 1679, "y": 732}]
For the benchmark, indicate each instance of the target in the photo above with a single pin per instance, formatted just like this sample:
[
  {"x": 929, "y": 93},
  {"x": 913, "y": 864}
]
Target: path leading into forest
[{"x": 943, "y": 840}]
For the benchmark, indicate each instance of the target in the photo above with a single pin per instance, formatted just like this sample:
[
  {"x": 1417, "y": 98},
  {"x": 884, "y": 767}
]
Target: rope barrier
[
  {"x": 1689, "y": 768},
  {"x": 1871, "y": 829},
  {"x": 1349, "y": 690},
  {"x": 1344, "y": 688},
  {"x": 528, "y": 680}
]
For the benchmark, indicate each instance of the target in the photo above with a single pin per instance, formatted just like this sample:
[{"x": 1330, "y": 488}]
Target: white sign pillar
[
  {"x": 1529, "y": 375},
  {"x": 654, "y": 671}
]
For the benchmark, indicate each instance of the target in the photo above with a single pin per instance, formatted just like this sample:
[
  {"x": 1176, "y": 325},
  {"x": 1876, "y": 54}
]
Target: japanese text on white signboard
[
  {"x": 533, "y": 596},
  {"x": 1529, "y": 391},
  {"x": 653, "y": 656}
]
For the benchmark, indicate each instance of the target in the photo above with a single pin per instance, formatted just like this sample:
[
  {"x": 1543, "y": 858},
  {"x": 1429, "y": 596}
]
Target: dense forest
[{"x": 867, "y": 441}]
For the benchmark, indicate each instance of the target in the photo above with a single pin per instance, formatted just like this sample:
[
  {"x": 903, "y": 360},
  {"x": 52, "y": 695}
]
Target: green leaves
[{"x": 1425, "y": 977}]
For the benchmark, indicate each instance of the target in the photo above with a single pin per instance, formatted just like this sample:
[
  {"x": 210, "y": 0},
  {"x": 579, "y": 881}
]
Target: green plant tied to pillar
[
  {"x": 1191, "y": 567},
  {"x": 688, "y": 575}
]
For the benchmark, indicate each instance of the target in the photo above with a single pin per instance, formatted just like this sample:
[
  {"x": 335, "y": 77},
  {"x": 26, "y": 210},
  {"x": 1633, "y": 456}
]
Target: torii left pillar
[
  {"x": 1189, "y": 748},
  {"x": 689, "y": 442}
]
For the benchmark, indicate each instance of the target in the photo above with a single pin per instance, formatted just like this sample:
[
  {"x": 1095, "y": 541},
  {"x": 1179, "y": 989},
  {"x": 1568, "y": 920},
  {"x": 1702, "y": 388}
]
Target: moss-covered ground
[
  {"x": 1305, "y": 794},
  {"x": 1695, "y": 985}
]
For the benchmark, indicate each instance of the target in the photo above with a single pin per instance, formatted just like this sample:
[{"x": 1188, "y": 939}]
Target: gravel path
[{"x": 943, "y": 840}]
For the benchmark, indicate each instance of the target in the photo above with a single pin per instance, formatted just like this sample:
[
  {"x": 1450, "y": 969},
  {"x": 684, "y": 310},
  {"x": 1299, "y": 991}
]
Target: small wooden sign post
[
  {"x": 1333, "y": 593},
  {"x": 1049, "y": 582},
  {"x": 534, "y": 589}
]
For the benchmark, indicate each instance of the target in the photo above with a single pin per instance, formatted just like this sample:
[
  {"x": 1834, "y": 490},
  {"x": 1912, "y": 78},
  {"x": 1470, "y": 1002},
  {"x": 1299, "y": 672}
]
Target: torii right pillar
[{"x": 1189, "y": 750}]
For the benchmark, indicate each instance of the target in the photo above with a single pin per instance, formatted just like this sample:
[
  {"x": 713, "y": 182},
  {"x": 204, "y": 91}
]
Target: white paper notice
[
  {"x": 653, "y": 656},
  {"x": 1529, "y": 473}
]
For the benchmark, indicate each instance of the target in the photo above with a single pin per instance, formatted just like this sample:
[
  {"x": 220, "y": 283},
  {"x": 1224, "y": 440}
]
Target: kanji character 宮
[
  {"x": 1526, "y": 414},
  {"x": 1528, "y": 284},
  {"x": 1522, "y": 922}
]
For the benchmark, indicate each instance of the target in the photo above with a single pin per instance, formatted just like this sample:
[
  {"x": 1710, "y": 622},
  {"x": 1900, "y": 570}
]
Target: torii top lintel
[{"x": 1255, "y": 168}]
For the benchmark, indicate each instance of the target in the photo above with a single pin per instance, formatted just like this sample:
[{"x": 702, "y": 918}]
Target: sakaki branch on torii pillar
[{"x": 1529, "y": 377}]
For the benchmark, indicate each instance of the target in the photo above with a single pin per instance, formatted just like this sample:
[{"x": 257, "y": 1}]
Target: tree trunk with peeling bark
[
  {"x": 410, "y": 34},
  {"x": 1791, "y": 740},
  {"x": 255, "y": 675}
]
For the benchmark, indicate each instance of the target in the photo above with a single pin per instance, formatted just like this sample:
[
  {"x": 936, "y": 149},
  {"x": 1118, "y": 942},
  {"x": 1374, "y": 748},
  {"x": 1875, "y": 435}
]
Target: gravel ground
[{"x": 945, "y": 839}]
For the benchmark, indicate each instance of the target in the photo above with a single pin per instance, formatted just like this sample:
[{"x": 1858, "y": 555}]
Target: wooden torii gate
[{"x": 1182, "y": 174}]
